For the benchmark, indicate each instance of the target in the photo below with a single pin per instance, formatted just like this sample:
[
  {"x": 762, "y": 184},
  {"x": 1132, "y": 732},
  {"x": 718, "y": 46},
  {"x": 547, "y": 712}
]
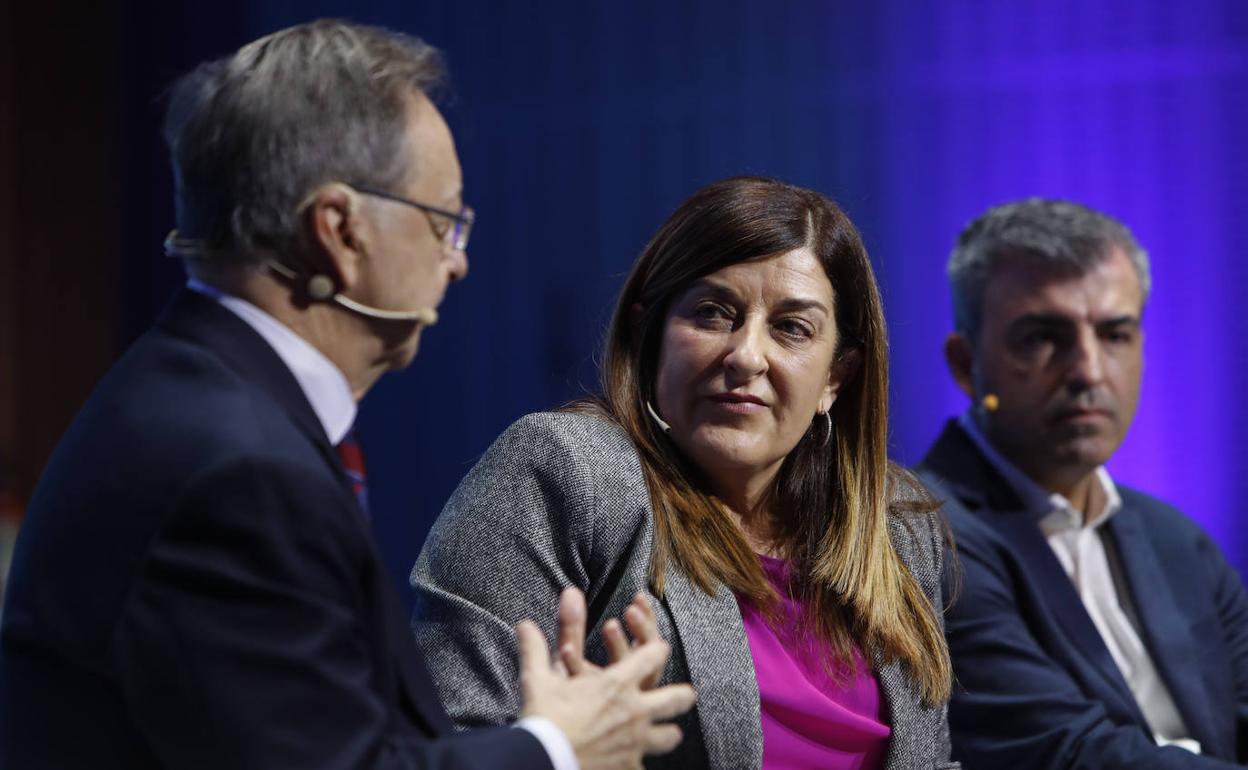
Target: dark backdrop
[{"x": 582, "y": 124}]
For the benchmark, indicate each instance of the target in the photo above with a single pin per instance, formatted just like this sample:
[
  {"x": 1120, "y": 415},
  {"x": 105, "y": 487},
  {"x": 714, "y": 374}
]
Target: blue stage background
[{"x": 582, "y": 125}]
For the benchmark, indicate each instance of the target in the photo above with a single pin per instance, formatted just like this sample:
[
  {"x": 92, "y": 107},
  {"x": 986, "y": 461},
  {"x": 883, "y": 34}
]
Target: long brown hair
[{"x": 833, "y": 496}]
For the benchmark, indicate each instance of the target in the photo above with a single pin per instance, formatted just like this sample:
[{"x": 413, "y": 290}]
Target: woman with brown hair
[{"x": 734, "y": 471}]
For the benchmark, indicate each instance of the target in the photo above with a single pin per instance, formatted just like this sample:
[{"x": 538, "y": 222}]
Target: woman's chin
[{"x": 732, "y": 459}]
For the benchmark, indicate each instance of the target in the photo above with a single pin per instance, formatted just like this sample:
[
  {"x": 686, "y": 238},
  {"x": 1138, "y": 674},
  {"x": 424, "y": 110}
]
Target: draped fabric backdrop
[{"x": 581, "y": 125}]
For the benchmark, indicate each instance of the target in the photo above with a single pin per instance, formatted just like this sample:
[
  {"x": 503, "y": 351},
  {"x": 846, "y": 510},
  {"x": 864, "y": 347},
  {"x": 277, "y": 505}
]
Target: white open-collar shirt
[{"x": 1080, "y": 549}]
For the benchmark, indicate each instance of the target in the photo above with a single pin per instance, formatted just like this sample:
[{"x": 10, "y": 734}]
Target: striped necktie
[{"x": 353, "y": 463}]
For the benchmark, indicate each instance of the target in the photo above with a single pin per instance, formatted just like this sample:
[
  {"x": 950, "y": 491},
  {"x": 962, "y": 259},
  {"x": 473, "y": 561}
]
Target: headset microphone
[
  {"x": 318, "y": 286},
  {"x": 423, "y": 316}
]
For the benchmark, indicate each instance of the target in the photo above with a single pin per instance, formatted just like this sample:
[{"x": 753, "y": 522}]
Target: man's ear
[
  {"x": 335, "y": 234},
  {"x": 844, "y": 369},
  {"x": 961, "y": 361}
]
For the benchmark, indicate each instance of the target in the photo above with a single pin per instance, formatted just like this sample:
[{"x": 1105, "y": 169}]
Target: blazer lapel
[
  {"x": 896, "y": 687},
  {"x": 982, "y": 491},
  {"x": 1166, "y": 631},
  {"x": 1059, "y": 595},
  {"x": 721, "y": 669},
  {"x": 203, "y": 321}
]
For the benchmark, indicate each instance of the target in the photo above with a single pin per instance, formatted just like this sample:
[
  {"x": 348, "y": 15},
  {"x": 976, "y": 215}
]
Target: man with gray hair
[
  {"x": 195, "y": 584},
  {"x": 1093, "y": 626}
]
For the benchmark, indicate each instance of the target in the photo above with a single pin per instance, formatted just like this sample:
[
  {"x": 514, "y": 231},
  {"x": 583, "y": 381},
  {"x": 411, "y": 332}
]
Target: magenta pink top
[{"x": 814, "y": 716}]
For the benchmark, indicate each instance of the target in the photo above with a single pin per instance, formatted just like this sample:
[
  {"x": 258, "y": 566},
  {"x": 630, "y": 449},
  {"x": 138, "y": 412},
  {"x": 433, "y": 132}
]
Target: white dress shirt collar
[
  {"x": 323, "y": 383},
  {"x": 1053, "y": 509},
  {"x": 1082, "y": 553},
  {"x": 330, "y": 395}
]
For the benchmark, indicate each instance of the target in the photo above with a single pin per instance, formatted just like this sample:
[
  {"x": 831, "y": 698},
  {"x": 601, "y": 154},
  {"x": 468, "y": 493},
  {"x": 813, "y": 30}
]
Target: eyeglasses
[{"x": 453, "y": 234}]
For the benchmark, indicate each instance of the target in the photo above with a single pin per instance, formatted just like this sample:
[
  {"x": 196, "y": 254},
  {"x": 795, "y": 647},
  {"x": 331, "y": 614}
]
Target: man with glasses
[
  {"x": 195, "y": 584},
  {"x": 451, "y": 227}
]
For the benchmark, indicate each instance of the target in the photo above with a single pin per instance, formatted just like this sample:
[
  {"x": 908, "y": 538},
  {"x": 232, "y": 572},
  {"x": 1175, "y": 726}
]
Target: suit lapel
[
  {"x": 1065, "y": 604},
  {"x": 202, "y": 320},
  {"x": 982, "y": 491},
  {"x": 720, "y": 668},
  {"x": 1166, "y": 630}
]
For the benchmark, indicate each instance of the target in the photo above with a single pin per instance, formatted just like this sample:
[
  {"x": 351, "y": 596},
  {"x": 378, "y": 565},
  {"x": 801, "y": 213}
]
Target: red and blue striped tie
[{"x": 353, "y": 463}]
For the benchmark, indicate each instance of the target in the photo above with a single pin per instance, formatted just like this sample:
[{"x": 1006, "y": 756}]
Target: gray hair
[
  {"x": 1060, "y": 234},
  {"x": 253, "y": 134}
]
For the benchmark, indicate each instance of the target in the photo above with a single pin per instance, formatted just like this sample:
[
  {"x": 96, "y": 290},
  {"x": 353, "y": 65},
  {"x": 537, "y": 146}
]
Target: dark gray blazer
[{"x": 560, "y": 500}]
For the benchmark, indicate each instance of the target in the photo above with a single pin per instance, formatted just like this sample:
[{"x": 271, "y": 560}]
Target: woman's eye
[
  {"x": 711, "y": 311},
  {"x": 795, "y": 329}
]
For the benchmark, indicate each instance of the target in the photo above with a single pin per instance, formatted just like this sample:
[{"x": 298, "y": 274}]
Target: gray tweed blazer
[{"x": 560, "y": 500}]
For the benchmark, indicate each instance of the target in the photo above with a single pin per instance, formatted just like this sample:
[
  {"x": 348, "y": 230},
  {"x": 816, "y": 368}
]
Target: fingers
[
  {"x": 534, "y": 656},
  {"x": 559, "y": 664},
  {"x": 572, "y": 662},
  {"x": 641, "y": 624},
  {"x": 571, "y": 642},
  {"x": 640, "y": 619},
  {"x": 661, "y": 739},
  {"x": 644, "y": 627},
  {"x": 668, "y": 702},
  {"x": 617, "y": 644},
  {"x": 642, "y": 663},
  {"x": 662, "y": 704}
]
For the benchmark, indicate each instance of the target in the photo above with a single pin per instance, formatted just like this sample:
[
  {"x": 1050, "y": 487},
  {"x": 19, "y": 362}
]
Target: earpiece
[
  {"x": 320, "y": 287},
  {"x": 657, "y": 419}
]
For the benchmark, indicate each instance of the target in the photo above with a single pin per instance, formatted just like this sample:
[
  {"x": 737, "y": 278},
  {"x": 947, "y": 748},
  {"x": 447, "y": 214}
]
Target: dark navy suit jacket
[
  {"x": 1035, "y": 686},
  {"x": 194, "y": 585}
]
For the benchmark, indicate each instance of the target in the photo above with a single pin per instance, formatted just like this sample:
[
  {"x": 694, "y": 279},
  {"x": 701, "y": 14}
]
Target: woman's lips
[{"x": 738, "y": 403}]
